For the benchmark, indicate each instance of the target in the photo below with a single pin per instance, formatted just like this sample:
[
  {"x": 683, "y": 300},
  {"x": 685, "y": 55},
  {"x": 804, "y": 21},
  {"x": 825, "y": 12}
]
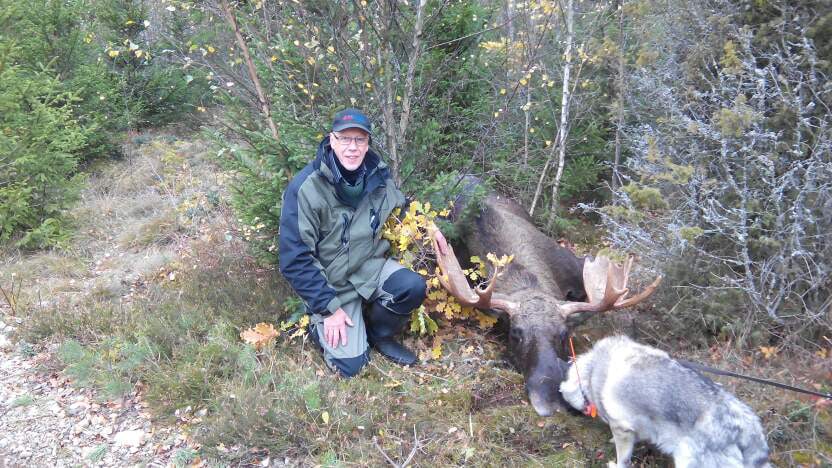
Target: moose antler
[
  {"x": 606, "y": 287},
  {"x": 453, "y": 279}
]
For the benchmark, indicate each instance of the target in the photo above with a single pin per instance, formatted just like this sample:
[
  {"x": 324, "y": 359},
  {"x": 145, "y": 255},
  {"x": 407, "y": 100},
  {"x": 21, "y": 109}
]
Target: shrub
[{"x": 38, "y": 147}]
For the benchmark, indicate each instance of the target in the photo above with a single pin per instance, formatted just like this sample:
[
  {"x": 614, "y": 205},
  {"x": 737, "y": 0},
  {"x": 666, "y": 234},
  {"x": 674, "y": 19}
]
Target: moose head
[{"x": 540, "y": 317}]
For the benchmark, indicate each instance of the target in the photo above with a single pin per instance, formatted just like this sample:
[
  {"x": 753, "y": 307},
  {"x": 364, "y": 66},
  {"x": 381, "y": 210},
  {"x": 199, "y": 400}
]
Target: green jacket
[{"x": 332, "y": 252}]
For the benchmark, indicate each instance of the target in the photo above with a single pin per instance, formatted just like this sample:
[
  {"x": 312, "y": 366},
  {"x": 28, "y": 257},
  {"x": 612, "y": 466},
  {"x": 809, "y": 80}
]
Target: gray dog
[{"x": 643, "y": 394}]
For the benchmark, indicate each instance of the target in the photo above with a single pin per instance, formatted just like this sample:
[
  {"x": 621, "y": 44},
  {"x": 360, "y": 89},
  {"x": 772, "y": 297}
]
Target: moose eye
[{"x": 515, "y": 335}]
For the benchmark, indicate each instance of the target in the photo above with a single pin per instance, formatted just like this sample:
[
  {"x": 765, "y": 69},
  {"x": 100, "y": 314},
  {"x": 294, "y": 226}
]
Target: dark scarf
[
  {"x": 352, "y": 182},
  {"x": 351, "y": 177}
]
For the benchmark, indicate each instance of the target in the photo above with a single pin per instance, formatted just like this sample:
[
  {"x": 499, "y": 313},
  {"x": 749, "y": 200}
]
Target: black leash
[{"x": 703, "y": 368}]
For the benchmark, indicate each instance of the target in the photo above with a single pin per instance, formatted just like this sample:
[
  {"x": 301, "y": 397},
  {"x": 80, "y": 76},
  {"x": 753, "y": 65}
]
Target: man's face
[{"x": 350, "y": 146}]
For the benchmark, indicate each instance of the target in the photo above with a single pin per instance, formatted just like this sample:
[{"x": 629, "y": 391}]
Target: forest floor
[{"x": 122, "y": 348}]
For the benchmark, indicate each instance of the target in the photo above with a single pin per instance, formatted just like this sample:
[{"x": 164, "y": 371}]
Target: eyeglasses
[{"x": 347, "y": 141}]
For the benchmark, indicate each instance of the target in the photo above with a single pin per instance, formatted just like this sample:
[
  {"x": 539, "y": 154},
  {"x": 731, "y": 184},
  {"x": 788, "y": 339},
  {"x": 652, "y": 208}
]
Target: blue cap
[{"x": 351, "y": 118}]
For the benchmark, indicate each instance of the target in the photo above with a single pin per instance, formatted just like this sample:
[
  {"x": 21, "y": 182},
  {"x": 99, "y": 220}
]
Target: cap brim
[{"x": 347, "y": 125}]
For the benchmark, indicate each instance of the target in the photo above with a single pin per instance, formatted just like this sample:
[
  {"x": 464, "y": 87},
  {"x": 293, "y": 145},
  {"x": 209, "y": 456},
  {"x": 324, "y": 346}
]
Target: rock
[
  {"x": 76, "y": 408},
  {"x": 129, "y": 438}
]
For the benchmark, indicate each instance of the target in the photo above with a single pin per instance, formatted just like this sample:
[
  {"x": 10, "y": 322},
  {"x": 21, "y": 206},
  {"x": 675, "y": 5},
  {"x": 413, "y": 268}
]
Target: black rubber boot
[
  {"x": 382, "y": 327},
  {"x": 313, "y": 336}
]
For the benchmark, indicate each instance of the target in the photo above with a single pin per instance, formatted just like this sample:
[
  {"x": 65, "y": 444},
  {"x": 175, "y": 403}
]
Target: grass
[
  {"x": 163, "y": 311},
  {"x": 180, "y": 343},
  {"x": 97, "y": 454},
  {"x": 23, "y": 400}
]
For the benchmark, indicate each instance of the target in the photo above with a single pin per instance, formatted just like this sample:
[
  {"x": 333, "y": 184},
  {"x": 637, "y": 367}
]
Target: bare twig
[
  {"x": 389, "y": 460},
  {"x": 406, "y": 462},
  {"x": 12, "y": 296},
  {"x": 265, "y": 107}
]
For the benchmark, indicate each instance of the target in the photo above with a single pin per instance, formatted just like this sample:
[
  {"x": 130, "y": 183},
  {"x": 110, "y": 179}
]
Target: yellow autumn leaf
[
  {"x": 265, "y": 329},
  {"x": 325, "y": 417},
  {"x": 113, "y": 53},
  {"x": 485, "y": 321},
  {"x": 260, "y": 335},
  {"x": 768, "y": 351},
  {"x": 436, "y": 351}
]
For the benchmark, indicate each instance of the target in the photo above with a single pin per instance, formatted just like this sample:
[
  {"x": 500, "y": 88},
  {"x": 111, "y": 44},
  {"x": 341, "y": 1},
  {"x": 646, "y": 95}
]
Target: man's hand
[{"x": 335, "y": 328}]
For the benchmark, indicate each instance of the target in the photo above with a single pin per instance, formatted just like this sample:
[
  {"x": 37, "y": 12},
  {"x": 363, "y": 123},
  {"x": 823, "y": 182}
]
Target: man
[{"x": 332, "y": 253}]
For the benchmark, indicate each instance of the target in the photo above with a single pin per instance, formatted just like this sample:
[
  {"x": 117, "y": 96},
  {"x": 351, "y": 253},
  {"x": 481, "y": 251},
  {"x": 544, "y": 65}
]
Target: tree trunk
[
  {"x": 616, "y": 177},
  {"x": 564, "y": 105}
]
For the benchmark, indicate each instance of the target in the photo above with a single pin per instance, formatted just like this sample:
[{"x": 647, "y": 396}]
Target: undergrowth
[{"x": 173, "y": 335}]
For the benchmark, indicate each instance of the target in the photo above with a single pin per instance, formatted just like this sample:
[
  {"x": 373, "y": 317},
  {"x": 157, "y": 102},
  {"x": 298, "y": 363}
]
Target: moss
[
  {"x": 678, "y": 174},
  {"x": 645, "y": 198},
  {"x": 734, "y": 121},
  {"x": 730, "y": 62},
  {"x": 690, "y": 233},
  {"x": 623, "y": 213},
  {"x": 646, "y": 56}
]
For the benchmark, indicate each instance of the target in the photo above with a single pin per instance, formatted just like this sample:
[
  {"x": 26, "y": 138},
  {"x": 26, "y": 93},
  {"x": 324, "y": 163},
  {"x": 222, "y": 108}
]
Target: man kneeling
[{"x": 332, "y": 253}]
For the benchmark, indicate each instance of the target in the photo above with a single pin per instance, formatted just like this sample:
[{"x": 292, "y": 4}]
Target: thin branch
[
  {"x": 252, "y": 71},
  {"x": 462, "y": 38}
]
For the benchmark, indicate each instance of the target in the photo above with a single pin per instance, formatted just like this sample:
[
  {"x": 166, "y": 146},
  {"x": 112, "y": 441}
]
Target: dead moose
[{"x": 546, "y": 291}]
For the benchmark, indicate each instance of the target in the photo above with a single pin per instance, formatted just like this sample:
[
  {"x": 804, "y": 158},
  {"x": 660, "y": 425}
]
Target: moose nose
[{"x": 541, "y": 405}]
